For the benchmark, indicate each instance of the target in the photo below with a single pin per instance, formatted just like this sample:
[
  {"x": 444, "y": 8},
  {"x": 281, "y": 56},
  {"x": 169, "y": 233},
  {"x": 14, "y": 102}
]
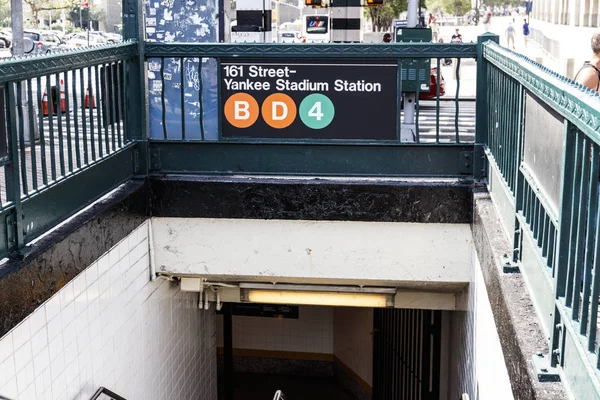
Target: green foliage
[
  {"x": 456, "y": 7},
  {"x": 502, "y": 3},
  {"x": 383, "y": 16},
  {"x": 4, "y": 13},
  {"x": 46, "y": 5},
  {"x": 94, "y": 13},
  {"x": 434, "y": 6}
]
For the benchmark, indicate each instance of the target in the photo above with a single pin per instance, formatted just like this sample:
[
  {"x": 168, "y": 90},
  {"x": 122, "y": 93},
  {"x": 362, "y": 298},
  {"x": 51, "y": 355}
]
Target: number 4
[{"x": 315, "y": 111}]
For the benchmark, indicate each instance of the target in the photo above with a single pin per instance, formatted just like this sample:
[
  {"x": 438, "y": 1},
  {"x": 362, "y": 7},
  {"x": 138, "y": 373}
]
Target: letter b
[{"x": 241, "y": 110}]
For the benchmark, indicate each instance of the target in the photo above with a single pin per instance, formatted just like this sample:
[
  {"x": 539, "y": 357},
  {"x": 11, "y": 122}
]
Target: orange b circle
[
  {"x": 241, "y": 110},
  {"x": 279, "y": 110}
]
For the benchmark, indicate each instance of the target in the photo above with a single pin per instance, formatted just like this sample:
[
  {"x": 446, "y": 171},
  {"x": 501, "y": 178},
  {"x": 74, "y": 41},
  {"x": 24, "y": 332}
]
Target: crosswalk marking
[{"x": 427, "y": 121}]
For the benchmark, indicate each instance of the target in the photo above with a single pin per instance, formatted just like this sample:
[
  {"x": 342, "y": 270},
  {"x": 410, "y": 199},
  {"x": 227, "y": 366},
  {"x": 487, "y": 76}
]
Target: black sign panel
[
  {"x": 265, "y": 310},
  {"x": 311, "y": 100}
]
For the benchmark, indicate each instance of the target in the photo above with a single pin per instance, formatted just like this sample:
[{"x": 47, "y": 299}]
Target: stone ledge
[
  {"x": 520, "y": 333},
  {"x": 379, "y": 200}
]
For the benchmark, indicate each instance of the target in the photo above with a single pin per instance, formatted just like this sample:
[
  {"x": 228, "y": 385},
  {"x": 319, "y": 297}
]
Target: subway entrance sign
[{"x": 309, "y": 100}]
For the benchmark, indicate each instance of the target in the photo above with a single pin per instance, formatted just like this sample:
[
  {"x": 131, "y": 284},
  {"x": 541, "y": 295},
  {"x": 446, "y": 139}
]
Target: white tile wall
[
  {"x": 462, "y": 346},
  {"x": 312, "y": 332},
  {"x": 111, "y": 326},
  {"x": 353, "y": 344}
]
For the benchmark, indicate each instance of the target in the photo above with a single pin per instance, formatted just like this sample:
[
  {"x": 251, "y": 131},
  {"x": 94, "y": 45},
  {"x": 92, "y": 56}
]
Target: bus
[{"x": 316, "y": 29}]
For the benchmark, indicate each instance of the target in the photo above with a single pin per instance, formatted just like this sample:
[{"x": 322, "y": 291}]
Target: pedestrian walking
[
  {"x": 456, "y": 38},
  {"x": 387, "y": 37},
  {"x": 487, "y": 20},
  {"x": 526, "y": 31},
  {"x": 589, "y": 74},
  {"x": 510, "y": 36},
  {"x": 435, "y": 29}
]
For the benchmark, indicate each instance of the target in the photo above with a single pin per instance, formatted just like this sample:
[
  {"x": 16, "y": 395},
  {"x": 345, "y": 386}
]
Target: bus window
[{"x": 316, "y": 24}]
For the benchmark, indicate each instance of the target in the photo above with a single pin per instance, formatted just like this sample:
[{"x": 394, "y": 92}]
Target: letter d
[
  {"x": 241, "y": 109},
  {"x": 284, "y": 110}
]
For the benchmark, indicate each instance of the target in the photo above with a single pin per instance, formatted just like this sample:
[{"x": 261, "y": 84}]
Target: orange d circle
[
  {"x": 279, "y": 110},
  {"x": 241, "y": 110}
]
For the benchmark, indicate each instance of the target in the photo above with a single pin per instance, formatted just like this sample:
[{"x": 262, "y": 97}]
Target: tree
[
  {"x": 383, "y": 16},
  {"x": 456, "y": 7},
  {"x": 4, "y": 13},
  {"x": 93, "y": 13},
  {"x": 46, "y": 5}
]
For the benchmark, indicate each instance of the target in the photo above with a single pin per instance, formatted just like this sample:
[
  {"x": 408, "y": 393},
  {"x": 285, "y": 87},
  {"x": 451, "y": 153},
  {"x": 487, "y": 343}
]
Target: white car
[
  {"x": 290, "y": 37},
  {"x": 82, "y": 40}
]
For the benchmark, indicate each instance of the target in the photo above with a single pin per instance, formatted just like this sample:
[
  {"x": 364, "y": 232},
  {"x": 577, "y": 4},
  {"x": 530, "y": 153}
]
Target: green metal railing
[
  {"x": 444, "y": 148},
  {"x": 544, "y": 144},
  {"x": 63, "y": 117}
]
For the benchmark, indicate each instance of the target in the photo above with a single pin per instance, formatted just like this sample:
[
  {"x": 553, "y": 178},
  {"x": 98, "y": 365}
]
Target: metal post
[
  {"x": 481, "y": 108},
  {"x": 221, "y": 21},
  {"x": 17, "y": 26},
  {"x": 18, "y": 50},
  {"x": 136, "y": 99},
  {"x": 408, "y": 127},
  {"x": 228, "y": 350}
]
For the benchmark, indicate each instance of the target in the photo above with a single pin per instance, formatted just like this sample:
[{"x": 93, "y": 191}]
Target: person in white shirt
[{"x": 510, "y": 36}]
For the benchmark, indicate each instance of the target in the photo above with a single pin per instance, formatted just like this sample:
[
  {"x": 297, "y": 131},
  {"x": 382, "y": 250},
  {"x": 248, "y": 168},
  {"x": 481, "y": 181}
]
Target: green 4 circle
[{"x": 316, "y": 111}]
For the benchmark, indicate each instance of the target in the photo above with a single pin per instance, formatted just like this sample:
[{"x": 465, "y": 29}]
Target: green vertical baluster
[
  {"x": 576, "y": 212},
  {"x": 592, "y": 210},
  {"x": 93, "y": 98},
  {"x": 84, "y": 117},
  {"x": 42, "y": 133},
  {"x": 437, "y": 101},
  {"x": 552, "y": 248},
  {"x": 417, "y": 139},
  {"x": 75, "y": 119},
  {"x": 182, "y": 92},
  {"x": 457, "y": 110},
  {"x": 108, "y": 105},
  {"x": 21, "y": 140},
  {"x": 581, "y": 225},
  {"x": 565, "y": 219},
  {"x": 99, "y": 110},
  {"x": 119, "y": 74},
  {"x": 32, "y": 148},
  {"x": 61, "y": 152},
  {"x": 51, "y": 129},
  {"x": 162, "y": 96},
  {"x": 545, "y": 234},
  {"x": 13, "y": 184},
  {"x": 200, "y": 97},
  {"x": 114, "y": 103},
  {"x": 68, "y": 118}
]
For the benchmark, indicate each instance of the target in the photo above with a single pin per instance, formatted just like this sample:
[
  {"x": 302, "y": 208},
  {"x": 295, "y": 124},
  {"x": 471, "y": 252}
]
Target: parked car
[
  {"x": 291, "y": 37},
  {"x": 43, "y": 42},
  {"x": 432, "y": 93},
  {"x": 82, "y": 40}
]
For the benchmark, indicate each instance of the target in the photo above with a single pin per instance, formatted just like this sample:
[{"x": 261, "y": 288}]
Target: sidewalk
[{"x": 498, "y": 26}]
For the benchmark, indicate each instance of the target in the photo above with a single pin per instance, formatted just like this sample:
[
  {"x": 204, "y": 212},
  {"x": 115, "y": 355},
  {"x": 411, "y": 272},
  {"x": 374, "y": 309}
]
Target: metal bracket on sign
[
  {"x": 543, "y": 370},
  {"x": 155, "y": 159},
  {"x": 509, "y": 266},
  {"x": 465, "y": 162}
]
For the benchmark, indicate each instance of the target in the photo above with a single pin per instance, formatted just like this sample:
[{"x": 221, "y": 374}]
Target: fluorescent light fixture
[
  {"x": 371, "y": 300},
  {"x": 318, "y": 295}
]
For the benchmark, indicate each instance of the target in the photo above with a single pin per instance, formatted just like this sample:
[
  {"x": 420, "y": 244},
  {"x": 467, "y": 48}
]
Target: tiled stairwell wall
[{"x": 111, "y": 326}]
